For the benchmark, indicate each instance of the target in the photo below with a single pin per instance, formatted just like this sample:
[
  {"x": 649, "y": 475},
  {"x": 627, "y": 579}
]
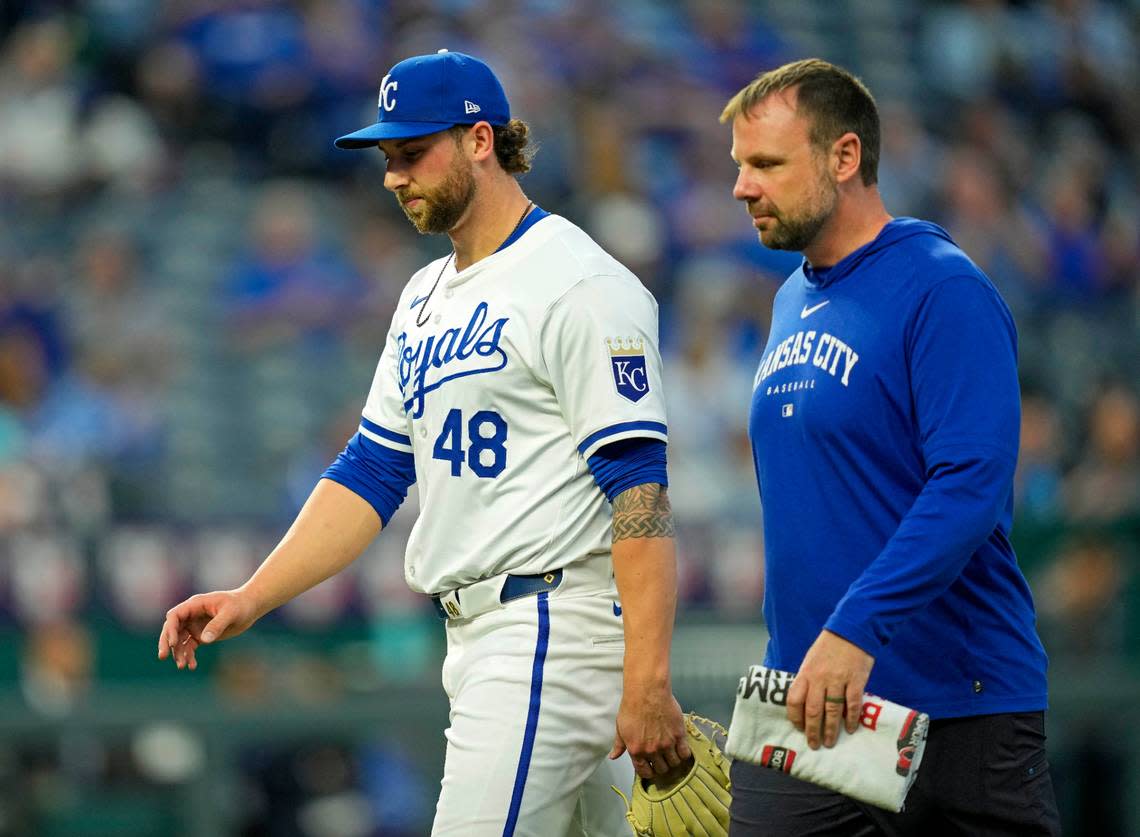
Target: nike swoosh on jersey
[
  {"x": 617, "y": 609},
  {"x": 807, "y": 312},
  {"x": 418, "y": 300}
]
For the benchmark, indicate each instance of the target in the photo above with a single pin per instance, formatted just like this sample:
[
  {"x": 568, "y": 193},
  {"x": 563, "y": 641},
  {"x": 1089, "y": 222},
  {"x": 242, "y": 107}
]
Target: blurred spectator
[
  {"x": 57, "y": 134},
  {"x": 254, "y": 68},
  {"x": 1105, "y": 482},
  {"x": 23, "y": 497},
  {"x": 1121, "y": 241},
  {"x": 1037, "y": 483},
  {"x": 32, "y": 290},
  {"x": 725, "y": 46},
  {"x": 57, "y": 667},
  {"x": 112, "y": 315},
  {"x": 344, "y": 45},
  {"x": 49, "y": 579},
  {"x": 1084, "y": 621},
  {"x": 290, "y": 285},
  {"x": 24, "y": 370},
  {"x": 395, "y": 790},
  {"x": 121, "y": 146},
  {"x": 1077, "y": 268},
  {"x": 964, "y": 47},
  {"x": 40, "y": 99},
  {"x": 1081, "y": 603},
  {"x": 1083, "y": 618},
  {"x": 1008, "y": 139},
  {"x": 84, "y": 415},
  {"x": 1077, "y": 53},
  {"x": 311, "y": 460},
  {"x": 381, "y": 253},
  {"x": 310, "y": 790},
  {"x": 168, "y": 80},
  {"x": 142, "y": 573},
  {"x": 708, "y": 382},
  {"x": 630, "y": 227},
  {"x": 980, "y": 213},
  {"x": 912, "y": 161}
]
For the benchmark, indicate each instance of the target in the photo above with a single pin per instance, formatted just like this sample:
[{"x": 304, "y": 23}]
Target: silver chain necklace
[{"x": 421, "y": 317}]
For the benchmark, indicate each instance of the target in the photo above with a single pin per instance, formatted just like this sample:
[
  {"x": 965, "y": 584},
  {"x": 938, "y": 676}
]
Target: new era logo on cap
[{"x": 430, "y": 93}]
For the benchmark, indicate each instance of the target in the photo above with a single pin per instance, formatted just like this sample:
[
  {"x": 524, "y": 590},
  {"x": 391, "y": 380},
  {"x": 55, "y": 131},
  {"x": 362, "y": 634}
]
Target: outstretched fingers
[
  {"x": 199, "y": 620},
  {"x": 168, "y": 637}
]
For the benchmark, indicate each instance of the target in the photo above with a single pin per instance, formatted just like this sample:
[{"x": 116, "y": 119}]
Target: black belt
[{"x": 515, "y": 587}]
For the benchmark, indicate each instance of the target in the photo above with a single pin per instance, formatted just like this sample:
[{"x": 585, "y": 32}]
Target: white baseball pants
[{"x": 534, "y": 687}]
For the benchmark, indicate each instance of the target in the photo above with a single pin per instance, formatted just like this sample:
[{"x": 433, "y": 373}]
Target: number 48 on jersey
[{"x": 486, "y": 436}]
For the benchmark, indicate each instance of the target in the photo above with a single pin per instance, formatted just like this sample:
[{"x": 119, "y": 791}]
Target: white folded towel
[{"x": 877, "y": 764}]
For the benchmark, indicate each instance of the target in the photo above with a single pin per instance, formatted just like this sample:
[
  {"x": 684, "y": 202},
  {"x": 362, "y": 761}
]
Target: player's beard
[
  {"x": 797, "y": 231},
  {"x": 444, "y": 205}
]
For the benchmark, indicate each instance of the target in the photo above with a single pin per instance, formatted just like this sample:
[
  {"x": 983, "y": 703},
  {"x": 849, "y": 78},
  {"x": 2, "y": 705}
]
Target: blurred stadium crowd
[{"x": 194, "y": 285}]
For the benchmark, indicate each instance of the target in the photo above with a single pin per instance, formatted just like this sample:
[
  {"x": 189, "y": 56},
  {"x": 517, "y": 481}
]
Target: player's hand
[
  {"x": 203, "y": 619},
  {"x": 651, "y": 728},
  {"x": 829, "y": 687}
]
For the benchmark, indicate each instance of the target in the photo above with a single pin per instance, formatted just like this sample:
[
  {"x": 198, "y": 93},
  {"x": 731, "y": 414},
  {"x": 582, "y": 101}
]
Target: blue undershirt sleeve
[
  {"x": 962, "y": 354},
  {"x": 621, "y": 465},
  {"x": 377, "y": 473}
]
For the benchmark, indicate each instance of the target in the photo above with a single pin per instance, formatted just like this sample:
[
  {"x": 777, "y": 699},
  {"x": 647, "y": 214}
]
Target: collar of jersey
[{"x": 532, "y": 218}]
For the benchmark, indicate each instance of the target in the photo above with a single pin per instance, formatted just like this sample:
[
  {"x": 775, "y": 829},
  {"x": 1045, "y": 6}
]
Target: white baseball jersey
[{"x": 526, "y": 363}]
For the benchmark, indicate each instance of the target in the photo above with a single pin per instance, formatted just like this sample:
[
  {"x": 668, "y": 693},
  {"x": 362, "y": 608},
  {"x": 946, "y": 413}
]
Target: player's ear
[
  {"x": 846, "y": 156},
  {"x": 480, "y": 142}
]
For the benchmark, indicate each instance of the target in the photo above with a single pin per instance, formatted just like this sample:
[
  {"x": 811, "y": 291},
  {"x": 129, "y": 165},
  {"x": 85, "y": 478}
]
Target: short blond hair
[{"x": 834, "y": 101}]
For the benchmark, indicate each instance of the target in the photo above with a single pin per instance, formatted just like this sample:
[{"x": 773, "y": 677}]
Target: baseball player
[{"x": 520, "y": 387}]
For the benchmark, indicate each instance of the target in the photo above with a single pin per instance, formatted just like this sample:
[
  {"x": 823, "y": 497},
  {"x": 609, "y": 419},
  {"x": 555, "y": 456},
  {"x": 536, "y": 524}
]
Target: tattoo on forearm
[{"x": 643, "y": 512}]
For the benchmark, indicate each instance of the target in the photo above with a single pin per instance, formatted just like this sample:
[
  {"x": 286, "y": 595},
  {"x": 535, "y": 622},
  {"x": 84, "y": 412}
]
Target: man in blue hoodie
[{"x": 884, "y": 427}]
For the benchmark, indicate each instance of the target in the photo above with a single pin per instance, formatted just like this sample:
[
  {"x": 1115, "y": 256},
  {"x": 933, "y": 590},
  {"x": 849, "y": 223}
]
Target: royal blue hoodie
[{"x": 884, "y": 428}]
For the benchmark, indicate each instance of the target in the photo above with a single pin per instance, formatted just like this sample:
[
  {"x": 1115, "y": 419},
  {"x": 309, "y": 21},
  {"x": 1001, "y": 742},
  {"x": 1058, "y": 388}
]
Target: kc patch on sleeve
[{"x": 627, "y": 362}]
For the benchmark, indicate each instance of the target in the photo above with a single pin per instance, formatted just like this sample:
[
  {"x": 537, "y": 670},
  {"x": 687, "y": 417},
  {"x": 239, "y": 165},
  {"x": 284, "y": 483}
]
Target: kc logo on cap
[
  {"x": 430, "y": 93},
  {"x": 387, "y": 89}
]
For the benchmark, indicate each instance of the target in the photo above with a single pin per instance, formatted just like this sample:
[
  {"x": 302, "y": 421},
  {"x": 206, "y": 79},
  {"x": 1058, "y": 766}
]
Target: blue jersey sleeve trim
[
  {"x": 622, "y": 427},
  {"x": 377, "y": 473},
  {"x": 621, "y": 465},
  {"x": 384, "y": 433}
]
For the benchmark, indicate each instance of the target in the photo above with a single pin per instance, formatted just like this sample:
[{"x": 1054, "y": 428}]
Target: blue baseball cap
[{"x": 430, "y": 93}]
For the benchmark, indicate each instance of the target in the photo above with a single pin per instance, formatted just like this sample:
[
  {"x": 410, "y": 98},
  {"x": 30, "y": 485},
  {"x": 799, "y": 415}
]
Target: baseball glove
[{"x": 692, "y": 805}]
